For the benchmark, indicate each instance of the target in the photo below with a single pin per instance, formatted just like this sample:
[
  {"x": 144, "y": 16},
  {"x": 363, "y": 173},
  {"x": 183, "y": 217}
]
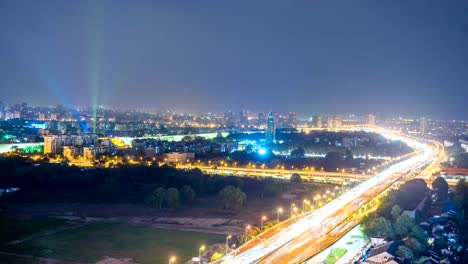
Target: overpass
[{"x": 310, "y": 175}]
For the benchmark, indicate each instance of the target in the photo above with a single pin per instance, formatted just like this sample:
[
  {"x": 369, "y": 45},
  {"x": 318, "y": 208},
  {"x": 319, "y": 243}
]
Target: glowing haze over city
[{"x": 138, "y": 132}]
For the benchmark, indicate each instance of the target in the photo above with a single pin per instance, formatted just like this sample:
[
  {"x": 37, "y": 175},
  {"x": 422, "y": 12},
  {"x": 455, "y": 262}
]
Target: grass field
[
  {"x": 94, "y": 241},
  {"x": 337, "y": 254},
  {"x": 17, "y": 260},
  {"x": 12, "y": 229}
]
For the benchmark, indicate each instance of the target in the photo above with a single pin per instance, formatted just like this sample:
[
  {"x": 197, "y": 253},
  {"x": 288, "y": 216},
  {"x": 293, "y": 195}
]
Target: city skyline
[
  {"x": 381, "y": 58},
  {"x": 233, "y": 132}
]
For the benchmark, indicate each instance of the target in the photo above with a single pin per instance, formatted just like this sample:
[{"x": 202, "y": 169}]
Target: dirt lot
[{"x": 205, "y": 214}]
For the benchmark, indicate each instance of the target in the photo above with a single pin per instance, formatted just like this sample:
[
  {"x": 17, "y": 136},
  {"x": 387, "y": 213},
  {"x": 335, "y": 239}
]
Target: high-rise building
[
  {"x": 69, "y": 152},
  {"x": 270, "y": 129},
  {"x": 52, "y": 144},
  {"x": 337, "y": 122},
  {"x": 292, "y": 119},
  {"x": 229, "y": 120},
  {"x": 334, "y": 122},
  {"x": 371, "y": 120},
  {"x": 54, "y": 117},
  {"x": 423, "y": 126},
  {"x": 329, "y": 122},
  {"x": 243, "y": 118},
  {"x": 318, "y": 121}
]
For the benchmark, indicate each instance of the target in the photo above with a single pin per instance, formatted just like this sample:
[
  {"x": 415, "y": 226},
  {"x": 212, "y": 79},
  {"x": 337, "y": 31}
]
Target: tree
[
  {"x": 295, "y": 178},
  {"x": 298, "y": 153},
  {"x": 157, "y": 197},
  {"x": 411, "y": 193},
  {"x": 419, "y": 233},
  {"x": 403, "y": 225},
  {"x": 186, "y": 139},
  {"x": 348, "y": 154},
  {"x": 377, "y": 227},
  {"x": 232, "y": 197},
  {"x": 172, "y": 197},
  {"x": 109, "y": 187},
  {"x": 441, "y": 188},
  {"x": 187, "y": 194},
  {"x": 333, "y": 160},
  {"x": 416, "y": 246},
  {"x": 440, "y": 242},
  {"x": 396, "y": 212},
  {"x": 461, "y": 195},
  {"x": 405, "y": 253}
]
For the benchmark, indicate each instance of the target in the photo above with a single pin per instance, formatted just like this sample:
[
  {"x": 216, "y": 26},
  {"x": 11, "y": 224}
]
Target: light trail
[{"x": 314, "y": 225}]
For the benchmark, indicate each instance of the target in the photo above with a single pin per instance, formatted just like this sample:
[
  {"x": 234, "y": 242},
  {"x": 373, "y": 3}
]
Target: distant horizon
[
  {"x": 389, "y": 58},
  {"x": 220, "y": 113}
]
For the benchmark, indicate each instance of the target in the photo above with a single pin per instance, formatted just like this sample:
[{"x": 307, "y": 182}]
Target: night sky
[{"x": 386, "y": 57}]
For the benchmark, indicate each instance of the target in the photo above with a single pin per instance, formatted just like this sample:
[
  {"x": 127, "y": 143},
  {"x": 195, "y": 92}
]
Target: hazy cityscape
[{"x": 210, "y": 132}]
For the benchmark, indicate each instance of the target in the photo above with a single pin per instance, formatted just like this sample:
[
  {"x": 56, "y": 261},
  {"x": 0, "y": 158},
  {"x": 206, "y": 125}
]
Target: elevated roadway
[
  {"x": 296, "y": 240},
  {"x": 318, "y": 176}
]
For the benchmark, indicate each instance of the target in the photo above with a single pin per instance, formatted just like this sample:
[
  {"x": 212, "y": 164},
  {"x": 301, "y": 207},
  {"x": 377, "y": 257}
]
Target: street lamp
[
  {"x": 264, "y": 218},
  {"x": 227, "y": 245},
  {"x": 200, "y": 250},
  {"x": 172, "y": 260},
  {"x": 291, "y": 208},
  {"x": 279, "y": 211},
  {"x": 304, "y": 202},
  {"x": 247, "y": 228}
]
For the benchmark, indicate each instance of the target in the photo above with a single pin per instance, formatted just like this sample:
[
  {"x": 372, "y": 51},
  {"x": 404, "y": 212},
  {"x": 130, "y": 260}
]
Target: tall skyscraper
[
  {"x": 371, "y": 119},
  {"x": 270, "y": 129},
  {"x": 423, "y": 126}
]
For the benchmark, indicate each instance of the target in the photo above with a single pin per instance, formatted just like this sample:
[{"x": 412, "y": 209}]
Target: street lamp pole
[
  {"x": 172, "y": 260},
  {"x": 279, "y": 211},
  {"x": 227, "y": 242},
  {"x": 247, "y": 228},
  {"x": 291, "y": 209},
  {"x": 261, "y": 222},
  {"x": 200, "y": 250}
]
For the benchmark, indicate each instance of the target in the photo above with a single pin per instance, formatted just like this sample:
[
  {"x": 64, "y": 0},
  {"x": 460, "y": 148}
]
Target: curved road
[{"x": 299, "y": 239}]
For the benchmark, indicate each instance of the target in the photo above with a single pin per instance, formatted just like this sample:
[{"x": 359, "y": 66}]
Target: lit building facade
[
  {"x": 270, "y": 129},
  {"x": 317, "y": 121},
  {"x": 423, "y": 126},
  {"x": 176, "y": 157},
  {"x": 52, "y": 144},
  {"x": 371, "y": 120}
]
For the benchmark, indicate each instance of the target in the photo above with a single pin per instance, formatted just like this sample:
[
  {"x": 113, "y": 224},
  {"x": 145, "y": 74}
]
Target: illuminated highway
[
  {"x": 296, "y": 241},
  {"x": 319, "y": 176}
]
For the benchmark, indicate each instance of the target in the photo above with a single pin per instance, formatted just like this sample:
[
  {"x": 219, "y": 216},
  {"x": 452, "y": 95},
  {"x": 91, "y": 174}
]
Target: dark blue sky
[{"x": 388, "y": 57}]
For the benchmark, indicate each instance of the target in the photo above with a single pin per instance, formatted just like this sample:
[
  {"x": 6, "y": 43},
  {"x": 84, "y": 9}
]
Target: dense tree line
[{"x": 140, "y": 184}]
